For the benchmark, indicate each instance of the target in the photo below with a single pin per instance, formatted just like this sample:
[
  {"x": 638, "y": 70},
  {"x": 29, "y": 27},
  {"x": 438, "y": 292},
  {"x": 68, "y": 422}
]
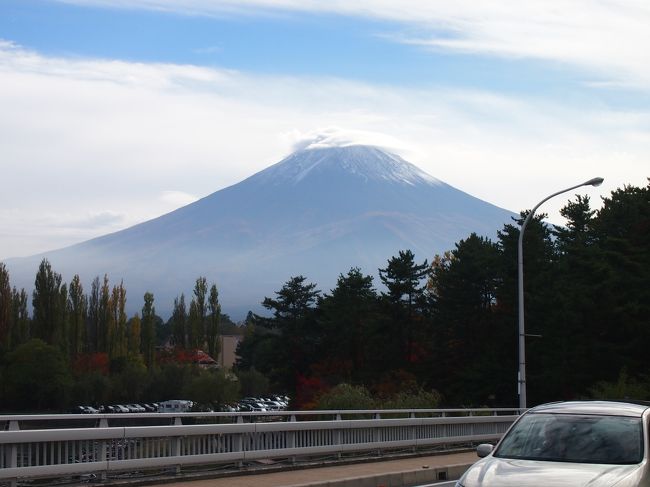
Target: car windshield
[{"x": 574, "y": 438}]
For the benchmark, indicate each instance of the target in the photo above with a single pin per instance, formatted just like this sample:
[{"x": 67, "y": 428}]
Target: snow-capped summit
[
  {"x": 317, "y": 213},
  {"x": 364, "y": 162}
]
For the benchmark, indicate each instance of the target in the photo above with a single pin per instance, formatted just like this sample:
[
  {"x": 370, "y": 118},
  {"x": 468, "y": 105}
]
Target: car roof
[{"x": 613, "y": 408}]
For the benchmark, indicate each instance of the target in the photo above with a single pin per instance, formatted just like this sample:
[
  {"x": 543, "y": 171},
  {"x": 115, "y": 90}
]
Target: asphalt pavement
[{"x": 389, "y": 473}]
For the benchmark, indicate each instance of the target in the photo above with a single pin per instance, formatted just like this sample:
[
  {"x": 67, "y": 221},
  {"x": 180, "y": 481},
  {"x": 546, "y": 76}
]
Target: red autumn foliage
[
  {"x": 91, "y": 362},
  {"x": 308, "y": 389},
  {"x": 184, "y": 356}
]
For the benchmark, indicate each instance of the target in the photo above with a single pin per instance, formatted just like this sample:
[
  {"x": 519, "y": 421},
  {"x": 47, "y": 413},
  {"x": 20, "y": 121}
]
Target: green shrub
[
  {"x": 625, "y": 387},
  {"x": 346, "y": 396},
  {"x": 413, "y": 400}
]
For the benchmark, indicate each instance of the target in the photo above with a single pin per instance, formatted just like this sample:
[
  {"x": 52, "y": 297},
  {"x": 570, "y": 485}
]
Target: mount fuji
[{"x": 318, "y": 212}]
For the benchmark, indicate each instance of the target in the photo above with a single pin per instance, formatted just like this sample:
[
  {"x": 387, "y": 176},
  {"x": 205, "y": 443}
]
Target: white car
[
  {"x": 578, "y": 443},
  {"x": 135, "y": 408}
]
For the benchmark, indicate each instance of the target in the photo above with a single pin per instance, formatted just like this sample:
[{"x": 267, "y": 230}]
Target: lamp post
[{"x": 521, "y": 379}]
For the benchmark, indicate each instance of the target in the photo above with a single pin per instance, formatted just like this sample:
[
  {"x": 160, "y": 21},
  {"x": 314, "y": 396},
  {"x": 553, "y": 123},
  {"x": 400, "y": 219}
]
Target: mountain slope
[{"x": 317, "y": 213}]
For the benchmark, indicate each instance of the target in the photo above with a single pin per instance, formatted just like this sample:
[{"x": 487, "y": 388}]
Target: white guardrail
[{"x": 63, "y": 445}]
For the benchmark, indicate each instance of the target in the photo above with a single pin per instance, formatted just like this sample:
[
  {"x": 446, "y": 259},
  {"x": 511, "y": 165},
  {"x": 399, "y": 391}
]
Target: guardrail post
[
  {"x": 292, "y": 438},
  {"x": 377, "y": 433},
  {"x": 103, "y": 454},
  {"x": 239, "y": 442},
  {"x": 412, "y": 436},
  {"x": 337, "y": 438},
  {"x": 445, "y": 430},
  {"x": 13, "y": 452},
  {"x": 176, "y": 445}
]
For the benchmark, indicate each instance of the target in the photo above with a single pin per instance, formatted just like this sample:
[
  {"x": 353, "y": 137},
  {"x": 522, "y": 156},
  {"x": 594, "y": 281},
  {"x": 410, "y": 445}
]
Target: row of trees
[
  {"x": 74, "y": 343},
  {"x": 79, "y": 324},
  {"x": 451, "y": 325},
  {"x": 445, "y": 329}
]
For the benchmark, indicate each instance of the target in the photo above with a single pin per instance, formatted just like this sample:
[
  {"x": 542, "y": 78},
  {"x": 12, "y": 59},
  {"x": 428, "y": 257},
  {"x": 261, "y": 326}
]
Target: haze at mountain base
[{"x": 316, "y": 213}]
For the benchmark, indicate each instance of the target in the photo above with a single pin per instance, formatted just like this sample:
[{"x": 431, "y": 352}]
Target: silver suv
[{"x": 578, "y": 443}]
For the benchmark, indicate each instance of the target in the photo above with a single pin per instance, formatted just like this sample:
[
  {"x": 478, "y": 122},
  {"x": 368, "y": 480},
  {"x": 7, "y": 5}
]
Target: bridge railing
[{"x": 118, "y": 444}]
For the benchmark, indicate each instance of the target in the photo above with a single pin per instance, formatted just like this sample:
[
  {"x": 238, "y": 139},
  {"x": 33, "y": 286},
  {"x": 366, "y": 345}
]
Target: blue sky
[
  {"x": 281, "y": 43},
  {"x": 118, "y": 111},
  {"x": 285, "y": 43}
]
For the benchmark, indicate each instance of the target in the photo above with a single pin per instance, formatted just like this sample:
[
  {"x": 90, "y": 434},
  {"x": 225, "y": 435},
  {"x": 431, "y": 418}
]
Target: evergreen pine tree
[{"x": 404, "y": 280}]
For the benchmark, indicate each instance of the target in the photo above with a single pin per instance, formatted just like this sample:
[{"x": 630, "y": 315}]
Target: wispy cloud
[
  {"x": 335, "y": 136},
  {"x": 607, "y": 38}
]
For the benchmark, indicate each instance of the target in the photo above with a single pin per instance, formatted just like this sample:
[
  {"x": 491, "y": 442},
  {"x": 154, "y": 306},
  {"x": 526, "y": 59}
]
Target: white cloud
[
  {"x": 129, "y": 141},
  {"x": 339, "y": 137},
  {"x": 609, "y": 38},
  {"x": 177, "y": 198}
]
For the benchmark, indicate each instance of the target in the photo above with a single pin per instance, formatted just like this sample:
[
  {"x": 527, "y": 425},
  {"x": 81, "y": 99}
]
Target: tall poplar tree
[
  {"x": 118, "y": 319},
  {"x": 134, "y": 335},
  {"x": 198, "y": 317},
  {"x": 6, "y": 322},
  {"x": 148, "y": 342},
  {"x": 20, "y": 332},
  {"x": 49, "y": 307},
  {"x": 179, "y": 322},
  {"x": 62, "y": 337},
  {"x": 77, "y": 313},
  {"x": 213, "y": 322},
  {"x": 93, "y": 317},
  {"x": 104, "y": 322}
]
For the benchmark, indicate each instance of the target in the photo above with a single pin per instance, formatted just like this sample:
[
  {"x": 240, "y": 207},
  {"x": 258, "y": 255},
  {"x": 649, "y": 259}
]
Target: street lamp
[{"x": 521, "y": 380}]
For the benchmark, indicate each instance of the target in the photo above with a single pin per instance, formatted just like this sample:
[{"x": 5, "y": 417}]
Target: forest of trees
[
  {"x": 444, "y": 328},
  {"x": 450, "y": 325}
]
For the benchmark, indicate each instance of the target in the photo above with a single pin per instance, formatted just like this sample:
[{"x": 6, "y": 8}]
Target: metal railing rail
[{"x": 102, "y": 450}]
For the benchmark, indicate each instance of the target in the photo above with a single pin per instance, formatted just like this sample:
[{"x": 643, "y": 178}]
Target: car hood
[{"x": 500, "y": 472}]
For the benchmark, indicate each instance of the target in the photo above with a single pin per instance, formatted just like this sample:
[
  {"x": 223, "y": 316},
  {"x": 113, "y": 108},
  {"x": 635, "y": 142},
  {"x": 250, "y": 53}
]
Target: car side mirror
[{"x": 484, "y": 449}]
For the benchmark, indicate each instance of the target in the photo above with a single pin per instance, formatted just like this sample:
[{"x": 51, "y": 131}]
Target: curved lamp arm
[{"x": 521, "y": 380}]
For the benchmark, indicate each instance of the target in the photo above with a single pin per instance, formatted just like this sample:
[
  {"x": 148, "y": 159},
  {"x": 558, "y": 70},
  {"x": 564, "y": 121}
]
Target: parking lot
[{"x": 247, "y": 404}]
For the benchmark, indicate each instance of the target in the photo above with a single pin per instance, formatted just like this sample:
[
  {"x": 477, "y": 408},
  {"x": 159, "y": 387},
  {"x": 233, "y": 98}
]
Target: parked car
[
  {"x": 595, "y": 443},
  {"x": 175, "y": 406},
  {"x": 273, "y": 405},
  {"x": 83, "y": 410}
]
